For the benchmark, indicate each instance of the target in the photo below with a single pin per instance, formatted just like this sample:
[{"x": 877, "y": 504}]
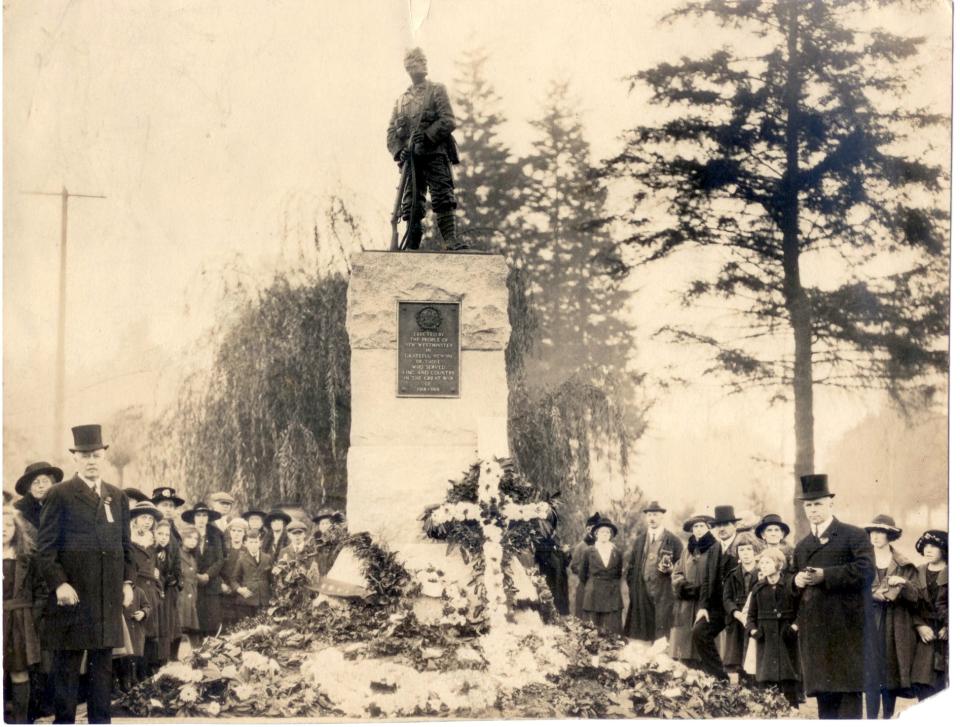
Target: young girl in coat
[
  {"x": 929, "y": 670},
  {"x": 187, "y": 601},
  {"x": 771, "y": 620},
  {"x": 22, "y": 602},
  {"x": 892, "y": 637},
  {"x": 129, "y": 668},
  {"x": 600, "y": 572},
  {"x": 143, "y": 517},
  {"x": 736, "y": 589},
  {"x": 168, "y": 563}
]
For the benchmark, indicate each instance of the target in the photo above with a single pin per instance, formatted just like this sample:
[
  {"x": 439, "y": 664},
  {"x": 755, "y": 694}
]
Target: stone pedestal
[{"x": 404, "y": 451}]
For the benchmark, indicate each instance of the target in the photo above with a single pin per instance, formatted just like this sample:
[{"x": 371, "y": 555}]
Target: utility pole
[{"x": 61, "y": 359}]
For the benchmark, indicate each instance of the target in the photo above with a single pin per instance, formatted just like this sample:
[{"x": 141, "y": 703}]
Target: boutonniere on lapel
[
  {"x": 823, "y": 540},
  {"x": 106, "y": 508}
]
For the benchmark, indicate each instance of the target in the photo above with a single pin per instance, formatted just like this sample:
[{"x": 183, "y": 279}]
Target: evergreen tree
[{"x": 792, "y": 158}]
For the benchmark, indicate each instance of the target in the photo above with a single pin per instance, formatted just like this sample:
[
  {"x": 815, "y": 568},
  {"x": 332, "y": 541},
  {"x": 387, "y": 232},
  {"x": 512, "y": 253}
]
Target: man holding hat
[
  {"x": 423, "y": 122},
  {"x": 649, "y": 566},
  {"x": 85, "y": 556},
  {"x": 835, "y": 570}
]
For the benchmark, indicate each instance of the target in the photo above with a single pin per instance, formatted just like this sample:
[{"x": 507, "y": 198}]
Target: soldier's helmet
[{"x": 414, "y": 56}]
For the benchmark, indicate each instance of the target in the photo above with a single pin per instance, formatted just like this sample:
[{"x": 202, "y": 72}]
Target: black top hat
[
  {"x": 278, "y": 515},
  {"x": 933, "y": 537},
  {"x": 813, "y": 487},
  {"x": 166, "y": 493},
  {"x": 189, "y": 515},
  {"x": 723, "y": 514},
  {"x": 688, "y": 525},
  {"x": 654, "y": 506},
  {"x": 884, "y": 524},
  {"x": 33, "y": 471},
  {"x": 334, "y": 516},
  {"x": 604, "y": 522},
  {"x": 249, "y": 513},
  {"x": 145, "y": 508},
  {"x": 87, "y": 438},
  {"x": 134, "y": 494},
  {"x": 772, "y": 519}
]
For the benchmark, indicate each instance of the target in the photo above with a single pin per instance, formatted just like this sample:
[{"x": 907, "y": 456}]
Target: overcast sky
[{"x": 216, "y": 129}]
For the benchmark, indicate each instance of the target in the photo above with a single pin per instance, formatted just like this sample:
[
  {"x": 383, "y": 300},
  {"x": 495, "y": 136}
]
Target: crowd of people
[
  {"x": 114, "y": 583},
  {"x": 842, "y": 616},
  {"x": 78, "y": 552}
]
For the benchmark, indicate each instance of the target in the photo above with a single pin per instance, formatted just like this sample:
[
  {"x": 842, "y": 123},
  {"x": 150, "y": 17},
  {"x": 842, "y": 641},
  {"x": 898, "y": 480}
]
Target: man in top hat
[
  {"x": 423, "y": 121},
  {"x": 33, "y": 486},
  {"x": 85, "y": 556},
  {"x": 835, "y": 570},
  {"x": 649, "y": 567},
  {"x": 724, "y": 529}
]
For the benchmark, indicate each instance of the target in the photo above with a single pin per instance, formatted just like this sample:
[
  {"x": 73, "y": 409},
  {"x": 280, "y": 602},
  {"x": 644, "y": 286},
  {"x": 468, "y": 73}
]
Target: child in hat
[
  {"x": 143, "y": 517},
  {"x": 600, "y": 572},
  {"x": 929, "y": 670},
  {"x": 187, "y": 601},
  {"x": 771, "y": 621},
  {"x": 892, "y": 639},
  {"x": 277, "y": 538},
  {"x": 168, "y": 563},
  {"x": 22, "y": 595}
]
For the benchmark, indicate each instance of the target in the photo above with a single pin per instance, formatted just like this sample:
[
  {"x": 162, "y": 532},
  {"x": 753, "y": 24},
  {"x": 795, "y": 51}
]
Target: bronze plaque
[{"x": 428, "y": 349}]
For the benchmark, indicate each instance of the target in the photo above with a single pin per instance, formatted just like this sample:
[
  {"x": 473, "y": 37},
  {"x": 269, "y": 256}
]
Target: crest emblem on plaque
[{"x": 428, "y": 318}]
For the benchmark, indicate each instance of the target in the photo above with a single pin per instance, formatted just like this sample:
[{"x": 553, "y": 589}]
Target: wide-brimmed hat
[
  {"x": 189, "y": 515},
  {"x": 814, "y": 487},
  {"x": 771, "y": 519},
  {"x": 277, "y": 515},
  {"x": 884, "y": 524},
  {"x": 933, "y": 537},
  {"x": 296, "y": 524},
  {"x": 604, "y": 523},
  {"x": 334, "y": 516},
  {"x": 724, "y": 514},
  {"x": 135, "y": 494},
  {"x": 688, "y": 525},
  {"x": 654, "y": 506},
  {"x": 250, "y": 513},
  {"x": 32, "y": 471},
  {"x": 87, "y": 438},
  {"x": 222, "y": 496},
  {"x": 166, "y": 493},
  {"x": 145, "y": 508}
]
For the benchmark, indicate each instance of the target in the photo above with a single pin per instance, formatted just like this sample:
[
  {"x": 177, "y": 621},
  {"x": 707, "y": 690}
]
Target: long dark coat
[
  {"x": 650, "y": 611},
  {"x": 78, "y": 544},
  {"x": 136, "y": 628},
  {"x": 147, "y": 579},
  {"x": 210, "y": 562},
  {"x": 929, "y": 660},
  {"x": 552, "y": 563},
  {"x": 772, "y": 612},
  {"x": 831, "y": 615},
  {"x": 577, "y": 555},
  {"x": 21, "y": 615},
  {"x": 168, "y": 562},
  {"x": 696, "y": 582},
  {"x": 601, "y": 592},
  {"x": 736, "y": 589},
  {"x": 187, "y": 599},
  {"x": 893, "y": 638}
]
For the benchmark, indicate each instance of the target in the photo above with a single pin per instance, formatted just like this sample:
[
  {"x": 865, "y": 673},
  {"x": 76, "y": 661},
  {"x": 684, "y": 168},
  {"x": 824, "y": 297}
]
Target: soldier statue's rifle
[{"x": 408, "y": 177}]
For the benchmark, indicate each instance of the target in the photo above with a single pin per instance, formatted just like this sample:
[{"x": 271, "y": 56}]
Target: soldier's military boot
[
  {"x": 414, "y": 235},
  {"x": 447, "y": 222}
]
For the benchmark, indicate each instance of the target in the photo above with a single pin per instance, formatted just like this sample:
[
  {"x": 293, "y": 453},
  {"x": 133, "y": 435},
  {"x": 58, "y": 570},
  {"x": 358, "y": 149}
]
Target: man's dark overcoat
[
  {"x": 650, "y": 612},
  {"x": 210, "y": 562},
  {"x": 80, "y": 544},
  {"x": 831, "y": 614}
]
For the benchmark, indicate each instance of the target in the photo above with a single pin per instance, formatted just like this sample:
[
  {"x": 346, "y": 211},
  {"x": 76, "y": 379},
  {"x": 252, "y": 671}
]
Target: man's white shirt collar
[
  {"x": 823, "y": 527},
  {"x": 92, "y": 484}
]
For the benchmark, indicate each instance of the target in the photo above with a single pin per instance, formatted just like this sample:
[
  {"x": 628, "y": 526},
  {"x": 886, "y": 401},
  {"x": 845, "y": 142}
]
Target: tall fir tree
[{"x": 791, "y": 158}]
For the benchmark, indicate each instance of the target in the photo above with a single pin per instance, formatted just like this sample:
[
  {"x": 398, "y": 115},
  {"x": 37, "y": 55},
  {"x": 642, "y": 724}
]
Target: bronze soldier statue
[{"x": 420, "y": 140}]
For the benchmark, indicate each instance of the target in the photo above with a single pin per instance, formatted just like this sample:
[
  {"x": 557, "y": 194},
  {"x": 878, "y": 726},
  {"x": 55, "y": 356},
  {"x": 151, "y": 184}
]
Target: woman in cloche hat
[
  {"x": 209, "y": 555},
  {"x": 929, "y": 670},
  {"x": 33, "y": 486},
  {"x": 891, "y": 638},
  {"x": 699, "y": 567},
  {"x": 600, "y": 572}
]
